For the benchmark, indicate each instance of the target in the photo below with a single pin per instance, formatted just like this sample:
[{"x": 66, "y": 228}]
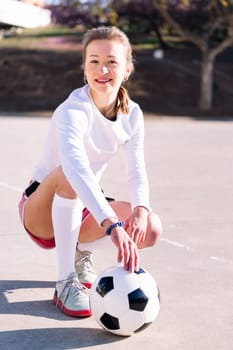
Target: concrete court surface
[{"x": 190, "y": 166}]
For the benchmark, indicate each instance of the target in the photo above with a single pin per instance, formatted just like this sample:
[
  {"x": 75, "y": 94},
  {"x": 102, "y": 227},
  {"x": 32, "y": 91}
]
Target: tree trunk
[
  {"x": 162, "y": 43},
  {"x": 206, "y": 95}
]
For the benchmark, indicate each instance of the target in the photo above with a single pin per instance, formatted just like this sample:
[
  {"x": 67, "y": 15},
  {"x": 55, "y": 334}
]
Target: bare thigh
[
  {"x": 38, "y": 207},
  {"x": 37, "y": 212}
]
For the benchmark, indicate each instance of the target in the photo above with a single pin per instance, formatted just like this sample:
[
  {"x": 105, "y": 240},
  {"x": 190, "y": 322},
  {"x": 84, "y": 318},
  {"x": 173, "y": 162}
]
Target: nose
[{"x": 104, "y": 69}]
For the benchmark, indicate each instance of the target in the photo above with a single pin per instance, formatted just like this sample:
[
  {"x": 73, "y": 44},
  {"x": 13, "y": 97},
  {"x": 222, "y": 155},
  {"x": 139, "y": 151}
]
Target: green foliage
[
  {"x": 49, "y": 31},
  {"x": 31, "y": 38}
]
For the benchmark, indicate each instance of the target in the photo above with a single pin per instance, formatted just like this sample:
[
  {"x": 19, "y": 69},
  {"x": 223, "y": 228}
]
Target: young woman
[{"x": 64, "y": 203}]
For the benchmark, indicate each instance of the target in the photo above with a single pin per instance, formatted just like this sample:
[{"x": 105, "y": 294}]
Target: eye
[
  {"x": 94, "y": 61},
  {"x": 112, "y": 62}
]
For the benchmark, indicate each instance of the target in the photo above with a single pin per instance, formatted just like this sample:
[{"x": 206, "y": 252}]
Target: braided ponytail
[{"x": 122, "y": 104}]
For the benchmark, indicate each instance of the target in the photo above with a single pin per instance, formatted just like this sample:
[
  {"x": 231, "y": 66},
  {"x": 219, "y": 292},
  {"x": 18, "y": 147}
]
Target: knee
[
  {"x": 155, "y": 230},
  {"x": 63, "y": 187}
]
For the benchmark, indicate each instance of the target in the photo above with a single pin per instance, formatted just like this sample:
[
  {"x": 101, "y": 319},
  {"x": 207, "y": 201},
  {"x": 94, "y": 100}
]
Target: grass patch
[
  {"x": 48, "y": 31},
  {"x": 30, "y": 38}
]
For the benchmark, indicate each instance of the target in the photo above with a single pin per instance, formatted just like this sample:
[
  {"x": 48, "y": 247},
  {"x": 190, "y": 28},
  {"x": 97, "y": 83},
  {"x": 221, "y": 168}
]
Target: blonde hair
[{"x": 113, "y": 33}]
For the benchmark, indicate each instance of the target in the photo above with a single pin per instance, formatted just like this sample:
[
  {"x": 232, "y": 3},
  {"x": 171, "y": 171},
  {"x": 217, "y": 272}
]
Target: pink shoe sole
[{"x": 74, "y": 313}]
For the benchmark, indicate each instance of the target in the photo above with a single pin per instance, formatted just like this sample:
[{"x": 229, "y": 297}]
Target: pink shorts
[{"x": 43, "y": 243}]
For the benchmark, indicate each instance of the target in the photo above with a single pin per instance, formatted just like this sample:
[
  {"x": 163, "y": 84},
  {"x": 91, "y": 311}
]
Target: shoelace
[
  {"x": 86, "y": 260},
  {"x": 71, "y": 286}
]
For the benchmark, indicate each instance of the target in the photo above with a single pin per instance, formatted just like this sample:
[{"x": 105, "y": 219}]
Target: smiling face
[{"x": 105, "y": 68}]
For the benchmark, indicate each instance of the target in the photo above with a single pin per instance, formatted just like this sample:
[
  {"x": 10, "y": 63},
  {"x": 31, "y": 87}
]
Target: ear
[{"x": 127, "y": 74}]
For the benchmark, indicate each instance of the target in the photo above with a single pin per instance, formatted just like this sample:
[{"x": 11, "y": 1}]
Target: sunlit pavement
[{"x": 190, "y": 167}]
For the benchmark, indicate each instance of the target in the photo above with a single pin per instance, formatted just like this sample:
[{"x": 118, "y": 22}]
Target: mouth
[{"x": 103, "y": 81}]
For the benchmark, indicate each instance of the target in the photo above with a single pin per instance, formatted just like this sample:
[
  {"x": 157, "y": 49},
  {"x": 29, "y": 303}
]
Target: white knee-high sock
[
  {"x": 66, "y": 217},
  {"x": 98, "y": 244}
]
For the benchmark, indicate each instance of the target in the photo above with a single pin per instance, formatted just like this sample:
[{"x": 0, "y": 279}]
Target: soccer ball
[{"x": 124, "y": 302}]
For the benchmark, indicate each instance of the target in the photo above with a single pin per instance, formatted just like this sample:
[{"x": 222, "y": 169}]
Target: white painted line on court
[
  {"x": 10, "y": 187},
  {"x": 218, "y": 259},
  {"x": 175, "y": 244},
  {"x": 221, "y": 260},
  {"x": 187, "y": 248}
]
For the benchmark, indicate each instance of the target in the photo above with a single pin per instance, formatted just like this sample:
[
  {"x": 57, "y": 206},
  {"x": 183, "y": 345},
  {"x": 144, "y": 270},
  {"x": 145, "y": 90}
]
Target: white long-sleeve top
[{"x": 82, "y": 141}]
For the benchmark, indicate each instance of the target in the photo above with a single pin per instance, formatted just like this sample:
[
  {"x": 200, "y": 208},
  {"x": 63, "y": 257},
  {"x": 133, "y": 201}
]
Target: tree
[
  {"x": 206, "y": 24},
  {"x": 138, "y": 16}
]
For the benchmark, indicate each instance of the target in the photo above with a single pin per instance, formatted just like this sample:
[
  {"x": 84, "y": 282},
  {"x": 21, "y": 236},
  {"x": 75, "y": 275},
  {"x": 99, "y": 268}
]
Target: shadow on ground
[
  {"x": 55, "y": 338},
  {"x": 40, "y": 308},
  {"x": 44, "y": 338}
]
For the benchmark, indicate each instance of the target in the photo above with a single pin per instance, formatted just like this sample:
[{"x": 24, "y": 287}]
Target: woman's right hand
[{"x": 127, "y": 249}]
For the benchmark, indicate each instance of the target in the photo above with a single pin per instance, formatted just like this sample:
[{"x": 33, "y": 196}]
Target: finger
[
  {"x": 136, "y": 261},
  {"x": 126, "y": 257},
  {"x": 136, "y": 237},
  {"x": 130, "y": 263},
  {"x": 139, "y": 238},
  {"x": 132, "y": 232},
  {"x": 135, "y": 266},
  {"x": 120, "y": 255},
  {"x": 134, "y": 258}
]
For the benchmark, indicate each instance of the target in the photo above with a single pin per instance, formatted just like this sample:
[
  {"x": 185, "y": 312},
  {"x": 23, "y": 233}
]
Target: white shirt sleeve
[
  {"x": 135, "y": 164},
  {"x": 70, "y": 128}
]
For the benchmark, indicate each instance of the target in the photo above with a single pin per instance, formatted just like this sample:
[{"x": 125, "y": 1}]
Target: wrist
[
  {"x": 141, "y": 210},
  {"x": 109, "y": 221},
  {"x": 114, "y": 225}
]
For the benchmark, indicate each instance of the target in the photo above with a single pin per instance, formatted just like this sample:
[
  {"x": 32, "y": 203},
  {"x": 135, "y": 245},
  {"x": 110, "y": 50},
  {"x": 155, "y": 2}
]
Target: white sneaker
[
  {"x": 84, "y": 267},
  {"x": 72, "y": 297}
]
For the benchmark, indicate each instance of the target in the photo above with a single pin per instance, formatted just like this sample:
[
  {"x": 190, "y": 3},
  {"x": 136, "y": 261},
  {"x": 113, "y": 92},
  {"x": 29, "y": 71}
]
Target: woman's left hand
[{"x": 136, "y": 224}]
